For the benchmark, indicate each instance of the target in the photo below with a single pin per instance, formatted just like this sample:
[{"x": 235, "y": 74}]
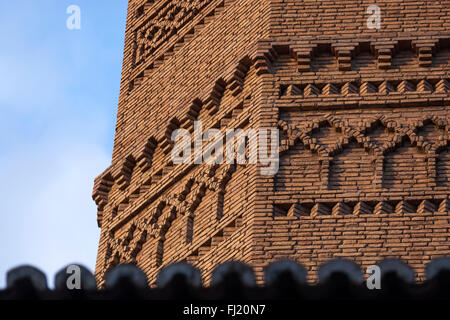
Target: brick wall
[
  {"x": 365, "y": 134},
  {"x": 364, "y": 148},
  {"x": 416, "y": 238}
]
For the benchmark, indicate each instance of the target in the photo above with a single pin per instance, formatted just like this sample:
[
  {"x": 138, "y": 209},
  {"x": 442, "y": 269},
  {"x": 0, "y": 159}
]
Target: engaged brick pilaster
[{"x": 325, "y": 171}]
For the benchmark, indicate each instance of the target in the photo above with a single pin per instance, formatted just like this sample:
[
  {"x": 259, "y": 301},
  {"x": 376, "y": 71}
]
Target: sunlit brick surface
[{"x": 364, "y": 145}]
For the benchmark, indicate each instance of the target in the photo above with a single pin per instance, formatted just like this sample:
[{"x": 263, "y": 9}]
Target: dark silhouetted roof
[{"x": 338, "y": 279}]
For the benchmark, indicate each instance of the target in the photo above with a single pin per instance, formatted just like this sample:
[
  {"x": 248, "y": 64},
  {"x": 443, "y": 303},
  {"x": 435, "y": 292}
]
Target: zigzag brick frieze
[
  {"x": 167, "y": 22},
  {"x": 377, "y": 150},
  {"x": 156, "y": 225}
]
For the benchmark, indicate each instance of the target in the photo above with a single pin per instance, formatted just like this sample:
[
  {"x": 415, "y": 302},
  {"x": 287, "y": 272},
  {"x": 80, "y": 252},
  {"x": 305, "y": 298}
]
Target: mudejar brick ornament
[{"x": 362, "y": 112}]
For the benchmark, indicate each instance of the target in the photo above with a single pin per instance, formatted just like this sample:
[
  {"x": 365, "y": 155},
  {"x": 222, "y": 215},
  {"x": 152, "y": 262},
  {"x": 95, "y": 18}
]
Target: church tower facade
[{"x": 359, "y": 93}]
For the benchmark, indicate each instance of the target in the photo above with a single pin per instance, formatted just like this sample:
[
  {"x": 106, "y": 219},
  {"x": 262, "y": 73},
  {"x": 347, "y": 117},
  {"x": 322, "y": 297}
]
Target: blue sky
[{"x": 58, "y": 101}]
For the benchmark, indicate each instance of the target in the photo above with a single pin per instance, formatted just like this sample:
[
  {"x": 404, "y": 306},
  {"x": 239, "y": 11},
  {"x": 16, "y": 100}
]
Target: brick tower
[{"x": 363, "y": 114}]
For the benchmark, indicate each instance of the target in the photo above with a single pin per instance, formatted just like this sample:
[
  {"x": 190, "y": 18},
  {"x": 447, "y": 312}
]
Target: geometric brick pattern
[{"x": 364, "y": 150}]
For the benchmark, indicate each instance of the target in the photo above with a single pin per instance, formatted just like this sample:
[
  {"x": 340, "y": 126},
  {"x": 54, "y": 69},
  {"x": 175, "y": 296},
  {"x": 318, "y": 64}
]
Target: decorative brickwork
[{"x": 364, "y": 170}]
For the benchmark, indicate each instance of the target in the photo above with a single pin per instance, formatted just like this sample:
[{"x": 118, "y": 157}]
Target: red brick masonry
[{"x": 364, "y": 121}]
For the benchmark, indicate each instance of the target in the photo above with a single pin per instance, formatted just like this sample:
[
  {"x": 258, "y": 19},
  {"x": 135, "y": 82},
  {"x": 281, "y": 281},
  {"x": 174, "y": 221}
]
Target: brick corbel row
[
  {"x": 367, "y": 87},
  {"x": 100, "y": 193},
  {"x": 344, "y": 52},
  {"x": 299, "y": 209}
]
